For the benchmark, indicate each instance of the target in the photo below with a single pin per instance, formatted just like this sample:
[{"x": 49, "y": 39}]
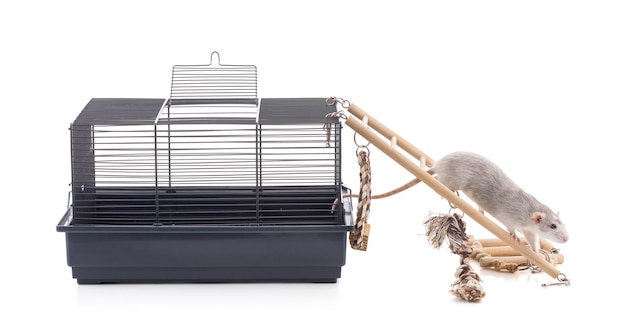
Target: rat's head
[{"x": 550, "y": 226}]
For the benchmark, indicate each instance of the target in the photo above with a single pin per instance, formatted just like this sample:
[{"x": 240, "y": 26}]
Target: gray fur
[{"x": 494, "y": 192}]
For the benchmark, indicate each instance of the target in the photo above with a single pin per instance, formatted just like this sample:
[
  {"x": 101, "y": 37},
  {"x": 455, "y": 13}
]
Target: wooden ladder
[{"x": 387, "y": 141}]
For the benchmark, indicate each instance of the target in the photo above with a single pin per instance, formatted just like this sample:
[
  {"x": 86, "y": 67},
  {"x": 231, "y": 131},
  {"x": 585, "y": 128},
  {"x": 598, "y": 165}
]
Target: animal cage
[{"x": 209, "y": 185}]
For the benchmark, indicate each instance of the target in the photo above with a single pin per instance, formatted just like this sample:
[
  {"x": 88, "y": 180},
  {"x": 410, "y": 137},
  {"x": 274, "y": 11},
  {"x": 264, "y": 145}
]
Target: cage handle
[
  {"x": 215, "y": 54},
  {"x": 69, "y": 197}
]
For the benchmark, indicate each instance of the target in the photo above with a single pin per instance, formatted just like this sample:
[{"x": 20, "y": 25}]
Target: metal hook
[
  {"x": 360, "y": 145},
  {"x": 345, "y": 104},
  {"x": 454, "y": 207}
]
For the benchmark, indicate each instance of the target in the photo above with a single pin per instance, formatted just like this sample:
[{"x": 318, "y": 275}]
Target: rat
[{"x": 494, "y": 192}]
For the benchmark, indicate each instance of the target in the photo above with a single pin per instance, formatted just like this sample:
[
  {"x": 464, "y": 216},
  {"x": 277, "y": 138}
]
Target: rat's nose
[{"x": 565, "y": 238}]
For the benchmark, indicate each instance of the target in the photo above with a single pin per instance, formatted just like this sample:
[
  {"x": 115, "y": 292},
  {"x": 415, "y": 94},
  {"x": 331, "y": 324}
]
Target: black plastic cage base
[{"x": 205, "y": 254}]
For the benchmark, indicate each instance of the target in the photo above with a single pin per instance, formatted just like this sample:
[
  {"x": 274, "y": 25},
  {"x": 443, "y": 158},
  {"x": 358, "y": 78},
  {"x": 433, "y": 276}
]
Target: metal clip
[
  {"x": 454, "y": 207},
  {"x": 345, "y": 104},
  {"x": 563, "y": 280}
]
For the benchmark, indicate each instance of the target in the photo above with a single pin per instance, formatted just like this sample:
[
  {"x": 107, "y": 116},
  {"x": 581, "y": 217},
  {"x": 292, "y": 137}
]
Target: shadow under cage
[{"x": 209, "y": 185}]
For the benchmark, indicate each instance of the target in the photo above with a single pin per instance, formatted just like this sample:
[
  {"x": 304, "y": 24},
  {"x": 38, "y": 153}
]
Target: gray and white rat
[{"x": 495, "y": 193}]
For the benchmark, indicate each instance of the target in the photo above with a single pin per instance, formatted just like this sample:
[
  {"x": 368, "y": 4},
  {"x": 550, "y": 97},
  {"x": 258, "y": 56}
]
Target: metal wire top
[
  {"x": 212, "y": 91},
  {"x": 212, "y": 83}
]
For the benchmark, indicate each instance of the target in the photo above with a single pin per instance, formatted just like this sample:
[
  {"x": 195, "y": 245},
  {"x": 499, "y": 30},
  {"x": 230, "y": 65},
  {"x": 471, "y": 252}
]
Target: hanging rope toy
[
  {"x": 359, "y": 236},
  {"x": 451, "y": 226}
]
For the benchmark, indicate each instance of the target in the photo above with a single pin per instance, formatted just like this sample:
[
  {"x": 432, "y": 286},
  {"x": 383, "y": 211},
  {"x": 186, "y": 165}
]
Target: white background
[{"x": 537, "y": 86}]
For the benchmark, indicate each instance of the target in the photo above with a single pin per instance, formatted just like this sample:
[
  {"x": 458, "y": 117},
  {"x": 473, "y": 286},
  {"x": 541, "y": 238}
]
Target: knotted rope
[
  {"x": 438, "y": 228},
  {"x": 360, "y": 234}
]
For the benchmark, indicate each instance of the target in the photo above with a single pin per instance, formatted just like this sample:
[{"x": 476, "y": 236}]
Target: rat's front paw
[{"x": 514, "y": 236}]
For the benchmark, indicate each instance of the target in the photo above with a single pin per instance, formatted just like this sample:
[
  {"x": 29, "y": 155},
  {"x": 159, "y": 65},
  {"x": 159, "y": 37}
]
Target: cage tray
[{"x": 205, "y": 253}]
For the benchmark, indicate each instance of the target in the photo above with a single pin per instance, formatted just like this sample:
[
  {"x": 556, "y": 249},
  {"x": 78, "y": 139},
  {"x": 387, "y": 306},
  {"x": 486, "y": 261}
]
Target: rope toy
[
  {"x": 451, "y": 226},
  {"x": 359, "y": 236}
]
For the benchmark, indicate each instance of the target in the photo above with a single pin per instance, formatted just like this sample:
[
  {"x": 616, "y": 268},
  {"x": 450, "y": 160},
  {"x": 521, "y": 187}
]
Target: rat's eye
[{"x": 553, "y": 226}]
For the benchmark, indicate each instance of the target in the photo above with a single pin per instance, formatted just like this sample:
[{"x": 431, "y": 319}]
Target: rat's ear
[{"x": 536, "y": 218}]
